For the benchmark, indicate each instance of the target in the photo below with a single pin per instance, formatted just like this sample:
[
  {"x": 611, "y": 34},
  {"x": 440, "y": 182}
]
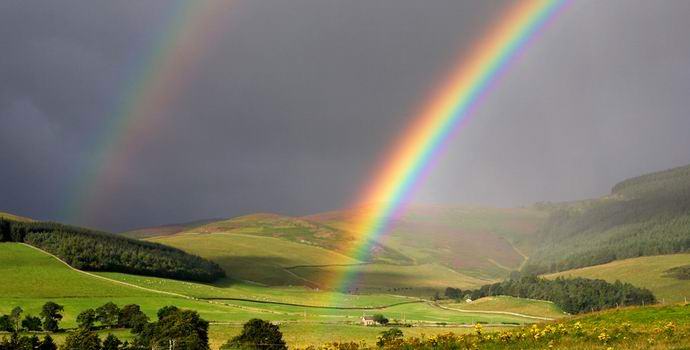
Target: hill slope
[
  {"x": 428, "y": 248},
  {"x": 646, "y": 215},
  {"x": 649, "y": 272},
  {"x": 482, "y": 242},
  {"x": 99, "y": 251},
  {"x": 298, "y": 230},
  {"x": 13, "y": 217},
  {"x": 165, "y": 230}
]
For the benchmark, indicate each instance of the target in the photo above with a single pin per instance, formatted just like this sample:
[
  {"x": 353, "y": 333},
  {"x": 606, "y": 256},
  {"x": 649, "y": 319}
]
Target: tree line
[
  {"x": 572, "y": 295},
  {"x": 98, "y": 251},
  {"x": 174, "y": 328}
]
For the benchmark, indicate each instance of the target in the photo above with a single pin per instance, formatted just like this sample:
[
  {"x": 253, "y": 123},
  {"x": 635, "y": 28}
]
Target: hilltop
[
  {"x": 13, "y": 217},
  {"x": 428, "y": 248},
  {"x": 165, "y": 230}
]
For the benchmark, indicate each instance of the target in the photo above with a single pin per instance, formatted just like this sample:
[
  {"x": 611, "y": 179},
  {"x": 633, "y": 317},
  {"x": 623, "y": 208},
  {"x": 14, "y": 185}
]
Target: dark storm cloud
[{"x": 292, "y": 106}]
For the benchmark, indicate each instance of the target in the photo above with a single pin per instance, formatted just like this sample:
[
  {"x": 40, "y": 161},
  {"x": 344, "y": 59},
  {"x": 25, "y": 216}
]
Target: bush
[
  {"x": 31, "y": 323},
  {"x": 257, "y": 334}
]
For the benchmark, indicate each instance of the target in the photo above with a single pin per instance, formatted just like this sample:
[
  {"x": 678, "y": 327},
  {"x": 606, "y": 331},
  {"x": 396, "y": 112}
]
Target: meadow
[
  {"x": 648, "y": 272},
  {"x": 279, "y": 262},
  {"x": 307, "y": 316}
]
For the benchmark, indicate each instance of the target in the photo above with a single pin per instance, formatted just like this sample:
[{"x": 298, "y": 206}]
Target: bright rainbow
[
  {"x": 447, "y": 109},
  {"x": 156, "y": 81}
]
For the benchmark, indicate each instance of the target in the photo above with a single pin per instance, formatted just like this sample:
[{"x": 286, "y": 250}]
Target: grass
[
  {"x": 436, "y": 247},
  {"x": 531, "y": 307},
  {"x": 415, "y": 280},
  {"x": 298, "y": 335},
  {"x": 279, "y": 262},
  {"x": 648, "y": 272},
  {"x": 25, "y": 270},
  {"x": 660, "y": 328},
  {"x": 485, "y": 243},
  {"x": 36, "y": 278},
  {"x": 256, "y": 258},
  {"x": 9, "y": 216}
]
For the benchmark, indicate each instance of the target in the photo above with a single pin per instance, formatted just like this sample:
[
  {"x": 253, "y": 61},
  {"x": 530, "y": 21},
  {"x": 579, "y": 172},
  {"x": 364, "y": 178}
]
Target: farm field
[
  {"x": 279, "y": 262},
  {"x": 538, "y": 308},
  {"x": 77, "y": 291},
  {"x": 647, "y": 272}
]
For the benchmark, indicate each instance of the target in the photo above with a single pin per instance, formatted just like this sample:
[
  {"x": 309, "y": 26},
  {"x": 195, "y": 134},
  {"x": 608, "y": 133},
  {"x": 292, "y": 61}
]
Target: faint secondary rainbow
[
  {"x": 156, "y": 81},
  {"x": 448, "y": 107}
]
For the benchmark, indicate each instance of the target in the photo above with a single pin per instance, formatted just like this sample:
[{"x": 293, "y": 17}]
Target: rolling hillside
[
  {"x": 650, "y": 272},
  {"x": 643, "y": 216},
  {"x": 165, "y": 230},
  {"x": 226, "y": 304},
  {"x": 278, "y": 262},
  {"x": 486, "y": 243},
  {"x": 428, "y": 249},
  {"x": 298, "y": 230},
  {"x": 13, "y": 217}
]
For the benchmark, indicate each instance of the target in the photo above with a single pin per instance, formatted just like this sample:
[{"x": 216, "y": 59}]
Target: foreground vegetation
[
  {"x": 97, "y": 251},
  {"x": 626, "y": 328},
  {"x": 629, "y": 328}
]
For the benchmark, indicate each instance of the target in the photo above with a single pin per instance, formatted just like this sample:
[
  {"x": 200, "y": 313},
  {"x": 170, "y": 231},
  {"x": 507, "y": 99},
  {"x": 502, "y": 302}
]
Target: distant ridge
[
  {"x": 13, "y": 217},
  {"x": 167, "y": 229},
  {"x": 645, "y": 215}
]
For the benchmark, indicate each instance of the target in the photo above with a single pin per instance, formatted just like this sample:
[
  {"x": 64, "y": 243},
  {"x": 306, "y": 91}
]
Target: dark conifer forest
[{"x": 91, "y": 250}]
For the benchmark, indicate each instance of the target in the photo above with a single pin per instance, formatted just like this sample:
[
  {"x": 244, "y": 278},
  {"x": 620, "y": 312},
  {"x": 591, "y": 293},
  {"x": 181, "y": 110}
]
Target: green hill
[
  {"x": 483, "y": 242},
  {"x": 428, "y": 248},
  {"x": 300, "y": 231},
  {"x": 651, "y": 272},
  {"x": 13, "y": 217},
  {"x": 306, "y": 316},
  {"x": 165, "y": 230},
  {"x": 643, "y": 216},
  {"x": 99, "y": 251},
  {"x": 279, "y": 262}
]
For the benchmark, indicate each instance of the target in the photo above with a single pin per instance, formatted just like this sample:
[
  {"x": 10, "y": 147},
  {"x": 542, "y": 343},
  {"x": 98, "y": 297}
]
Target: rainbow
[
  {"x": 442, "y": 115},
  {"x": 157, "y": 79}
]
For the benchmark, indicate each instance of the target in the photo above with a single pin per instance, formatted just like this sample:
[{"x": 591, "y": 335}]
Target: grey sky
[{"x": 297, "y": 99}]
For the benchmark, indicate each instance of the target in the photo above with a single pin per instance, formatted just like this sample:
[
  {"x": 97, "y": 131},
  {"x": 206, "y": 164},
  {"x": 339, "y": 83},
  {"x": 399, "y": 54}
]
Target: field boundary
[
  {"x": 379, "y": 307},
  {"x": 265, "y": 302}
]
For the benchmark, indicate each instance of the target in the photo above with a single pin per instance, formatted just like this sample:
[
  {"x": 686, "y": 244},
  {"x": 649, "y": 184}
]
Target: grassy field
[
  {"x": 9, "y": 216},
  {"x": 165, "y": 230},
  {"x": 256, "y": 258},
  {"x": 538, "y": 308},
  {"x": 428, "y": 249},
  {"x": 278, "y": 262},
  {"x": 647, "y": 272},
  {"x": 311, "y": 323},
  {"x": 659, "y": 328}
]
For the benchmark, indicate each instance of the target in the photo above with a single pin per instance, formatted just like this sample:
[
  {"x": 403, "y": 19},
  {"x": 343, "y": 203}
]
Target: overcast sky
[{"x": 296, "y": 99}]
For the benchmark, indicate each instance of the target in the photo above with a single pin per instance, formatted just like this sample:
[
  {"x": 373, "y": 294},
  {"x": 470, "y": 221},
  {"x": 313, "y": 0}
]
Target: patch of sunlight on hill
[
  {"x": 647, "y": 272},
  {"x": 257, "y": 258}
]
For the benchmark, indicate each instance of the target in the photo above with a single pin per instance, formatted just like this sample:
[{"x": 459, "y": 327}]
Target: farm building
[{"x": 369, "y": 321}]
